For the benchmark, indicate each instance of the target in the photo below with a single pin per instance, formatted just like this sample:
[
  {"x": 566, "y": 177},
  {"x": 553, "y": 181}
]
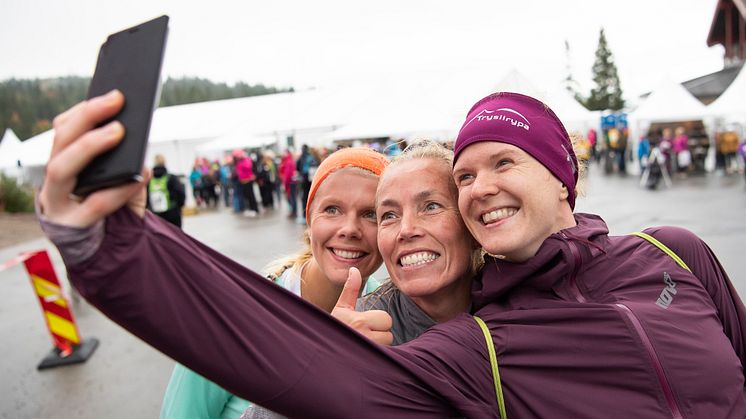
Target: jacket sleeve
[
  {"x": 189, "y": 395},
  {"x": 271, "y": 347},
  {"x": 706, "y": 267}
]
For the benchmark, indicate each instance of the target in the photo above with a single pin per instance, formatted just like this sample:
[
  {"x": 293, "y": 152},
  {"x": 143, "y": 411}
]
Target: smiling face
[
  {"x": 342, "y": 224},
  {"x": 510, "y": 202},
  {"x": 425, "y": 244}
]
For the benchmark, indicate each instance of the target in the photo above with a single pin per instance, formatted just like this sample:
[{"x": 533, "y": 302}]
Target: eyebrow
[{"x": 420, "y": 196}]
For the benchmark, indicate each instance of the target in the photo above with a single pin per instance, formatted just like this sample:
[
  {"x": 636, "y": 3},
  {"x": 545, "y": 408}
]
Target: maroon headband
[{"x": 528, "y": 124}]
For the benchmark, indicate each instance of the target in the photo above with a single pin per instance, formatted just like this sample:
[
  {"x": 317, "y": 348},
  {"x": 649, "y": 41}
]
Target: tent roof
[
  {"x": 669, "y": 102},
  {"x": 10, "y": 149},
  {"x": 238, "y": 138},
  {"x": 732, "y": 100}
]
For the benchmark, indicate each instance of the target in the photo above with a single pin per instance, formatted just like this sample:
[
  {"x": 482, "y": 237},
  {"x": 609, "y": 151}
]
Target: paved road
[{"x": 126, "y": 379}]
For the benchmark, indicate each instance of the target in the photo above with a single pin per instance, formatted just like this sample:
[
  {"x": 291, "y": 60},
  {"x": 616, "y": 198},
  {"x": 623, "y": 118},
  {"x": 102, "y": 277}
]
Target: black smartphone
[{"x": 130, "y": 61}]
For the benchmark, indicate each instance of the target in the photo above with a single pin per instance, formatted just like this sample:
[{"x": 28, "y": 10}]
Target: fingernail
[
  {"x": 107, "y": 98},
  {"x": 113, "y": 128}
]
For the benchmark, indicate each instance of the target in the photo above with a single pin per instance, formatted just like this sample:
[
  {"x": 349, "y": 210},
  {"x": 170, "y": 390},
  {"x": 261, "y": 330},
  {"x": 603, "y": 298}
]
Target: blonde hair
[
  {"x": 277, "y": 267},
  {"x": 576, "y": 139}
]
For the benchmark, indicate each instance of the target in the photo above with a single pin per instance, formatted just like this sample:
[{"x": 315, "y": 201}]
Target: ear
[{"x": 564, "y": 194}]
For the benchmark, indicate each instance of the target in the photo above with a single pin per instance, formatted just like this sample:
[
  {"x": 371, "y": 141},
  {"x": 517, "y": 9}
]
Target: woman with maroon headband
[{"x": 583, "y": 324}]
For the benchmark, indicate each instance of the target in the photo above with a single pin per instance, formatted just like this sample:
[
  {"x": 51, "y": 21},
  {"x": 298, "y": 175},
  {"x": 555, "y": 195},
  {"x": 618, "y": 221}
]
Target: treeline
[{"x": 28, "y": 106}]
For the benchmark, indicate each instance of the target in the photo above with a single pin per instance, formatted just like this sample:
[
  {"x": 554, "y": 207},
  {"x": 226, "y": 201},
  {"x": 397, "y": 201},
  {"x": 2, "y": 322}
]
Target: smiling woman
[
  {"x": 341, "y": 235},
  {"x": 425, "y": 245}
]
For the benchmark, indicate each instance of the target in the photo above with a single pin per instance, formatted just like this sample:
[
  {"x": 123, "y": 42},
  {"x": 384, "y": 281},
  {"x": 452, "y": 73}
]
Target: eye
[
  {"x": 369, "y": 214},
  {"x": 432, "y": 206},
  {"x": 332, "y": 210},
  {"x": 504, "y": 162},
  {"x": 464, "y": 179},
  {"x": 387, "y": 216}
]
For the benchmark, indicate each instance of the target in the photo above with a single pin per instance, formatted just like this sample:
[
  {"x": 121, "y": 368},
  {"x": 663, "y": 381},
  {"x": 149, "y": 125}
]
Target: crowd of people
[
  {"x": 260, "y": 181},
  {"x": 502, "y": 302}
]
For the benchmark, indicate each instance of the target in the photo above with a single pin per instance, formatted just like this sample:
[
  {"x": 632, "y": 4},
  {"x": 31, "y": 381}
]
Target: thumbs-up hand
[{"x": 373, "y": 324}]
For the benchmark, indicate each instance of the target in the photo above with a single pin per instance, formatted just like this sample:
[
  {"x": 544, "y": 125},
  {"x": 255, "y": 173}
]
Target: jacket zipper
[
  {"x": 662, "y": 379},
  {"x": 574, "y": 288}
]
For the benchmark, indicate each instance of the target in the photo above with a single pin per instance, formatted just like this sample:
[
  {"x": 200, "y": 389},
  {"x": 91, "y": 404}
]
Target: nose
[
  {"x": 483, "y": 187},
  {"x": 409, "y": 226},
  {"x": 351, "y": 227}
]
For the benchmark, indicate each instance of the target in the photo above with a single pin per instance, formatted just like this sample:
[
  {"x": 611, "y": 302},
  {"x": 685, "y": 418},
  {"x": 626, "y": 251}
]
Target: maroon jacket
[{"x": 577, "y": 330}]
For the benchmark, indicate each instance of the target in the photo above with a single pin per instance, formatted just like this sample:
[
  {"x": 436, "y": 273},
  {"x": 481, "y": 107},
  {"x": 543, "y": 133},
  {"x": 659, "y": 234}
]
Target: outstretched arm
[{"x": 267, "y": 345}]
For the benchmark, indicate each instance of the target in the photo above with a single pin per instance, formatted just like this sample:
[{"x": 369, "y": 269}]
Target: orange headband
[{"x": 360, "y": 157}]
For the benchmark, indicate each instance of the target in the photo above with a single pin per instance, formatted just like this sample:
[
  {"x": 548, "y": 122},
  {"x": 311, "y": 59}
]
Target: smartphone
[{"x": 130, "y": 61}]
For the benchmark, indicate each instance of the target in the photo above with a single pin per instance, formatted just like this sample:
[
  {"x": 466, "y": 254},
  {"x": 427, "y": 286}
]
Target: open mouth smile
[{"x": 497, "y": 215}]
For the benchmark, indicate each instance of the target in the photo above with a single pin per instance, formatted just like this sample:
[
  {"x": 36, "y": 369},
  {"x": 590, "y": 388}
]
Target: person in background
[
  {"x": 166, "y": 194},
  {"x": 305, "y": 166},
  {"x": 195, "y": 180},
  {"x": 289, "y": 177},
  {"x": 592, "y": 139},
  {"x": 266, "y": 178},
  {"x": 680, "y": 145},
  {"x": 246, "y": 178},
  {"x": 341, "y": 234},
  {"x": 742, "y": 152},
  {"x": 225, "y": 180},
  {"x": 729, "y": 145},
  {"x": 643, "y": 151}
]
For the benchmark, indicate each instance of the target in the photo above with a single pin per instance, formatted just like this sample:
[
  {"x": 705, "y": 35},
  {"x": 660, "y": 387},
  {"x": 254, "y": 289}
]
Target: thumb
[{"x": 351, "y": 290}]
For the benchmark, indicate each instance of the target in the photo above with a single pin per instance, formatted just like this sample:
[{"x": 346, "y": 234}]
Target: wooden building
[{"x": 728, "y": 28}]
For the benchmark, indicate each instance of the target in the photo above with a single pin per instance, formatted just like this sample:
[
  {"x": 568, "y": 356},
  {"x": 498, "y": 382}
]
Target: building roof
[
  {"x": 717, "y": 27},
  {"x": 707, "y": 88}
]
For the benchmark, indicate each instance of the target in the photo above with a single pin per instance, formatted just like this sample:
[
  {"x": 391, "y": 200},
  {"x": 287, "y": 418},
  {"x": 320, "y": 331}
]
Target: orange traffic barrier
[{"x": 69, "y": 347}]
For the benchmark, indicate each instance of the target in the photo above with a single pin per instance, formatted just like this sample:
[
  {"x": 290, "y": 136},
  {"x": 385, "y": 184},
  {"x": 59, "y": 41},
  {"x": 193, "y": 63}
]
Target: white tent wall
[
  {"x": 10, "y": 154},
  {"x": 728, "y": 111}
]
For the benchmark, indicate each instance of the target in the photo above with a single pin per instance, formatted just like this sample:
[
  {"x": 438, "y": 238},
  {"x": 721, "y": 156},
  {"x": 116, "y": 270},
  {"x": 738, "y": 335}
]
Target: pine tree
[{"x": 608, "y": 92}]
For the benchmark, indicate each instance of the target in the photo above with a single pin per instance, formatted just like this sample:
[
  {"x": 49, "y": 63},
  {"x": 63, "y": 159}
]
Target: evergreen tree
[
  {"x": 608, "y": 92},
  {"x": 28, "y": 106}
]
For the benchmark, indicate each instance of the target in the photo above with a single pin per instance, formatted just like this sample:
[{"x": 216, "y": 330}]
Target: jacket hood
[
  {"x": 159, "y": 171},
  {"x": 553, "y": 262}
]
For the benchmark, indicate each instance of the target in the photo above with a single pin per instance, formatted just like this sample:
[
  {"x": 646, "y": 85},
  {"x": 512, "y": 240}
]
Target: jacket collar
[{"x": 553, "y": 262}]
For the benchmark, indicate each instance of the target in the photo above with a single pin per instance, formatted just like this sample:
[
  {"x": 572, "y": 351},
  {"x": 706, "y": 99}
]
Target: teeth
[
  {"x": 346, "y": 254},
  {"x": 418, "y": 258},
  {"x": 498, "y": 215}
]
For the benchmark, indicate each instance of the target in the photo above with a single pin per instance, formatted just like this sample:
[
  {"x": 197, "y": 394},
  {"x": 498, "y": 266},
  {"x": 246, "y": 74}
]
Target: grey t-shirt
[{"x": 409, "y": 321}]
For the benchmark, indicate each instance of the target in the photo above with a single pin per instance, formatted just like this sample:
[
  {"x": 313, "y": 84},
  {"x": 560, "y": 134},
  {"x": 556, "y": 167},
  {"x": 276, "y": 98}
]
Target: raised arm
[{"x": 269, "y": 346}]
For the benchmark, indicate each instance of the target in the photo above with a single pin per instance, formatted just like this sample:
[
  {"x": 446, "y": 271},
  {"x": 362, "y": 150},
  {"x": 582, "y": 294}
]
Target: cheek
[
  {"x": 370, "y": 233},
  {"x": 386, "y": 240}
]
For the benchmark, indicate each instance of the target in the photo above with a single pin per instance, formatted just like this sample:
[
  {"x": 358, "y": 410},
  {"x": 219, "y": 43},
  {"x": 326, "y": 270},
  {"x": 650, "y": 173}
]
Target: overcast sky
[{"x": 320, "y": 43}]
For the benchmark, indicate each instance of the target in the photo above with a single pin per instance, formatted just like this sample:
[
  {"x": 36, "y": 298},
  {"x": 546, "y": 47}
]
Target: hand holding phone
[{"x": 129, "y": 61}]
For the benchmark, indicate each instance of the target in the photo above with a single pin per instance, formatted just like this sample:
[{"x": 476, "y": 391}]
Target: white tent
[
  {"x": 730, "y": 107},
  {"x": 398, "y": 110},
  {"x": 10, "y": 153},
  {"x": 238, "y": 139},
  {"x": 670, "y": 102},
  {"x": 573, "y": 115},
  {"x": 515, "y": 81},
  {"x": 36, "y": 150}
]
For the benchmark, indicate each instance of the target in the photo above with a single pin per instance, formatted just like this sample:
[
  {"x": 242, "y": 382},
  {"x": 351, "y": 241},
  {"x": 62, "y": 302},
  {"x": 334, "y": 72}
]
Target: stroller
[{"x": 655, "y": 170}]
